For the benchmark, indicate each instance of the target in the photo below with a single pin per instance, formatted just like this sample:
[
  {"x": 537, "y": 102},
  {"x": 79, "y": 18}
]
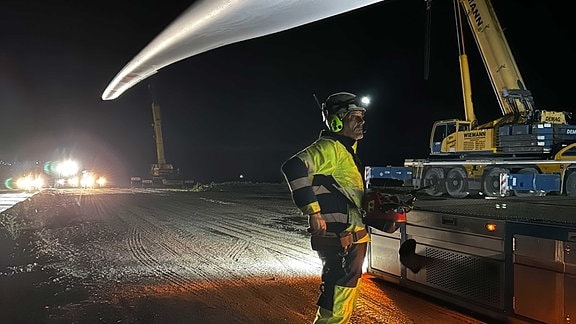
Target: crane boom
[
  {"x": 522, "y": 129},
  {"x": 507, "y": 82},
  {"x": 158, "y": 134},
  {"x": 164, "y": 174},
  {"x": 160, "y": 170}
]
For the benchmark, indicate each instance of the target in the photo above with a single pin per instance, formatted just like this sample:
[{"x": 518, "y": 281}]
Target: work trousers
[{"x": 341, "y": 274}]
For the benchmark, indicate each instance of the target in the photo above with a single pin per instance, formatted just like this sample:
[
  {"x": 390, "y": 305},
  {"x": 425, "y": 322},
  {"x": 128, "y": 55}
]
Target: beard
[{"x": 358, "y": 133}]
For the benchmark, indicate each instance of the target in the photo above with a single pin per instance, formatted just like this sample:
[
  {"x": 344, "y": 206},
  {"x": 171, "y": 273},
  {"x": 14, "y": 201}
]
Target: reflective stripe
[
  {"x": 299, "y": 183},
  {"x": 323, "y": 316},
  {"x": 312, "y": 208},
  {"x": 335, "y": 218},
  {"x": 344, "y": 303},
  {"x": 319, "y": 190}
]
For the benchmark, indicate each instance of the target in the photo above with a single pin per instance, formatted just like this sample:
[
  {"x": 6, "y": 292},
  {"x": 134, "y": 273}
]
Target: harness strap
[{"x": 330, "y": 241}]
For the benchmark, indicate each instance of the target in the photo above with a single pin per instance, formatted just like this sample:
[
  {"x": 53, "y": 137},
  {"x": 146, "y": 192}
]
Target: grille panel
[{"x": 479, "y": 279}]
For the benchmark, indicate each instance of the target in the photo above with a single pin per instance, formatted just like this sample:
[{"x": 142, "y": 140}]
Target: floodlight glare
[{"x": 67, "y": 168}]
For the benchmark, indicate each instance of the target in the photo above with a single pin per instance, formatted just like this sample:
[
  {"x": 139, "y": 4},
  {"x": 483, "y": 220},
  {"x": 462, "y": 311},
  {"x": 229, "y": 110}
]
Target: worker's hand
[{"x": 317, "y": 224}]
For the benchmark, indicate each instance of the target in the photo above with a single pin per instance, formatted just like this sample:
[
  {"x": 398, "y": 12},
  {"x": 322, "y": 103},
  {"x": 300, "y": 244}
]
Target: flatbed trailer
[{"x": 507, "y": 258}]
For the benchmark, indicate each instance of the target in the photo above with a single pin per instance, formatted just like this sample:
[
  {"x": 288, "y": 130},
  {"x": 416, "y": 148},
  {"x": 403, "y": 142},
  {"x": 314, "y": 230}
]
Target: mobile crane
[
  {"x": 527, "y": 151},
  {"x": 163, "y": 174}
]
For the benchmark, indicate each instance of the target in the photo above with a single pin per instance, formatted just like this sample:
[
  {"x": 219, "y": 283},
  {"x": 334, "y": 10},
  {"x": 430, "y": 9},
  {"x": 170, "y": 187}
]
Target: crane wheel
[
  {"x": 570, "y": 185},
  {"x": 434, "y": 177},
  {"x": 491, "y": 182},
  {"x": 457, "y": 183}
]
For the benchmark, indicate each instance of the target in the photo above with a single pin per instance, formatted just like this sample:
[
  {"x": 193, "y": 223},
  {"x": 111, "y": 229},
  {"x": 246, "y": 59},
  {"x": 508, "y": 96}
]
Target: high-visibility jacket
[{"x": 315, "y": 173}]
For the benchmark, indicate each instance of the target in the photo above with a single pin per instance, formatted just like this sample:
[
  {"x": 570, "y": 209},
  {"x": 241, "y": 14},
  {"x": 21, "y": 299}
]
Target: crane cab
[{"x": 456, "y": 136}]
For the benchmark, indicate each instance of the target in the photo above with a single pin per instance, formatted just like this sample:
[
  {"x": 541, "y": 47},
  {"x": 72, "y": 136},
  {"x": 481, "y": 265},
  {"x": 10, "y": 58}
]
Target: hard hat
[
  {"x": 383, "y": 212},
  {"x": 337, "y": 105},
  {"x": 342, "y": 102}
]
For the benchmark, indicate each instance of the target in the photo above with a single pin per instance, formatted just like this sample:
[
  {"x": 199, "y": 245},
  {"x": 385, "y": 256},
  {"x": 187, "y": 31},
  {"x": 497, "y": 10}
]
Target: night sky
[{"x": 244, "y": 108}]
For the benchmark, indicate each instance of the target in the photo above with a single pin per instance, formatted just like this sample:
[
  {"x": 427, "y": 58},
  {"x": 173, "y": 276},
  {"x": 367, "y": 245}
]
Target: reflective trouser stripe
[
  {"x": 340, "y": 284},
  {"x": 345, "y": 299},
  {"x": 323, "y": 316},
  {"x": 344, "y": 302}
]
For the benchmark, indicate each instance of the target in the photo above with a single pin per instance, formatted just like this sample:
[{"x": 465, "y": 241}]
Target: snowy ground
[{"x": 230, "y": 253}]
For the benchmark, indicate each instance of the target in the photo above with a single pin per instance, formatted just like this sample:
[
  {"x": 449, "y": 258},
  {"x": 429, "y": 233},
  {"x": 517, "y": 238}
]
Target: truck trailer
[{"x": 506, "y": 258}]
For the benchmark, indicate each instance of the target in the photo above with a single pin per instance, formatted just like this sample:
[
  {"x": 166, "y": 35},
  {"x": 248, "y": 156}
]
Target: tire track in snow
[
  {"x": 276, "y": 242},
  {"x": 143, "y": 256},
  {"x": 263, "y": 235},
  {"x": 154, "y": 230},
  {"x": 237, "y": 249},
  {"x": 140, "y": 225},
  {"x": 247, "y": 235},
  {"x": 169, "y": 242}
]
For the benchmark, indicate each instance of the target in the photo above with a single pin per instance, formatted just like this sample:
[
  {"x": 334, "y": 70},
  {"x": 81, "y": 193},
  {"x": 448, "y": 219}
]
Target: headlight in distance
[{"x": 101, "y": 181}]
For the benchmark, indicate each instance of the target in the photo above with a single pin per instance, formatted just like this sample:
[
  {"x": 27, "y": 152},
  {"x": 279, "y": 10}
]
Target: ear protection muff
[{"x": 335, "y": 123}]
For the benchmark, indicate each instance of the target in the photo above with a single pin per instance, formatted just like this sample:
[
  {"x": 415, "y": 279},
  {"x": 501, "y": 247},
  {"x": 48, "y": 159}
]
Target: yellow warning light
[{"x": 491, "y": 227}]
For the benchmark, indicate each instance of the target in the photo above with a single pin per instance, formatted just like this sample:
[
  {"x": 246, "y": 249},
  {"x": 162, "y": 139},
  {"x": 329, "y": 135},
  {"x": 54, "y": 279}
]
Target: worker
[{"x": 326, "y": 184}]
